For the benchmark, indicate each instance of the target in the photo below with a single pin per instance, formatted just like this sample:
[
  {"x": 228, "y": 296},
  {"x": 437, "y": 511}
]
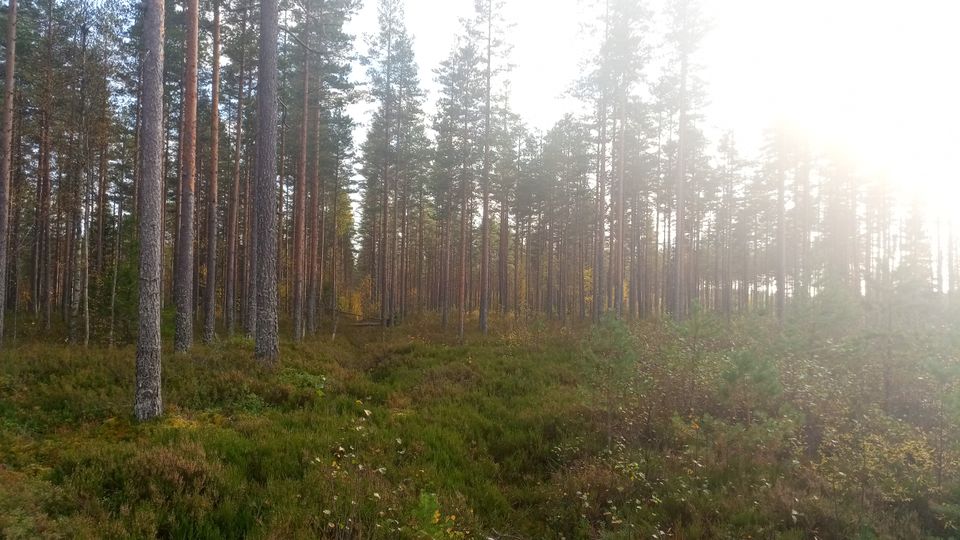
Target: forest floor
[{"x": 616, "y": 432}]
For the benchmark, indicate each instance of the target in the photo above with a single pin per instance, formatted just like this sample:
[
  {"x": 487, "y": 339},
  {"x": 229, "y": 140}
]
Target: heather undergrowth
[{"x": 709, "y": 429}]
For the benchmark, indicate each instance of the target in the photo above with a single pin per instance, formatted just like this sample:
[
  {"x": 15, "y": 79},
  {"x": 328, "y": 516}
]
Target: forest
[{"x": 263, "y": 276}]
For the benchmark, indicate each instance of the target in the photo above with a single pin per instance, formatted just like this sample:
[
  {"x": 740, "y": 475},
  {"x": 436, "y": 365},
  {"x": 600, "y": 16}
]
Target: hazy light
[
  {"x": 873, "y": 78},
  {"x": 877, "y": 79}
]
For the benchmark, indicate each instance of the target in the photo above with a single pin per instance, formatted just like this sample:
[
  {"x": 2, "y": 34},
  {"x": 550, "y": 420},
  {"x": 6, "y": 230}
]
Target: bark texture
[
  {"x": 149, "y": 403},
  {"x": 210, "y": 322},
  {"x": 183, "y": 336},
  {"x": 5, "y": 153},
  {"x": 266, "y": 347}
]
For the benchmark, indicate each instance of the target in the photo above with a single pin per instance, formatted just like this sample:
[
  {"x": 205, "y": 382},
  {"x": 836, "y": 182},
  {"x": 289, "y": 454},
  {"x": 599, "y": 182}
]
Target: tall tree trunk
[
  {"x": 804, "y": 209},
  {"x": 313, "y": 216},
  {"x": 102, "y": 195},
  {"x": 183, "y": 282},
  {"x": 446, "y": 248},
  {"x": 726, "y": 295},
  {"x": 502, "y": 255},
  {"x": 6, "y": 136},
  {"x": 230, "y": 285},
  {"x": 485, "y": 218},
  {"x": 78, "y": 209},
  {"x": 149, "y": 403},
  {"x": 87, "y": 212},
  {"x": 462, "y": 288},
  {"x": 781, "y": 297},
  {"x": 385, "y": 315},
  {"x": 300, "y": 206},
  {"x": 334, "y": 304},
  {"x": 15, "y": 214},
  {"x": 137, "y": 165},
  {"x": 116, "y": 273},
  {"x": 403, "y": 270},
  {"x": 394, "y": 251},
  {"x": 42, "y": 259},
  {"x": 517, "y": 259},
  {"x": 600, "y": 235},
  {"x": 250, "y": 253},
  {"x": 621, "y": 202},
  {"x": 420, "y": 248},
  {"x": 680, "y": 281},
  {"x": 581, "y": 257},
  {"x": 267, "y": 348},
  {"x": 319, "y": 244},
  {"x": 281, "y": 199},
  {"x": 210, "y": 323}
]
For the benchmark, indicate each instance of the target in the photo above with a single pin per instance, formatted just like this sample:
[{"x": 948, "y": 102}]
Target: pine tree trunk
[
  {"x": 600, "y": 235},
  {"x": 621, "y": 202},
  {"x": 334, "y": 304},
  {"x": 267, "y": 348},
  {"x": 87, "y": 212},
  {"x": 76, "y": 249},
  {"x": 250, "y": 254},
  {"x": 680, "y": 281},
  {"x": 15, "y": 214},
  {"x": 210, "y": 322},
  {"x": 6, "y": 136},
  {"x": 300, "y": 207},
  {"x": 43, "y": 299},
  {"x": 230, "y": 285},
  {"x": 403, "y": 271},
  {"x": 385, "y": 191},
  {"x": 149, "y": 402},
  {"x": 502, "y": 255},
  {"x": 462, "y": 288},
  {"x": 138, "y": 121},
  {"x": 446, "y": 248},
  {"x": 116, "y": 272},
  {"x": 316, "y": 203},
  {"x": 726, "y": 301},
  {"x": 781, "y": 297},
  {"x": 281, "y": 199},
  {"x": 485, "y": 218},
  {"x": 183, "y": 278},
  {"x": 319, "y": 246},
  {"x": 420, "y": 249},
  {"x": 394, "y": 259},
  {"x": 101, "y": 200}
]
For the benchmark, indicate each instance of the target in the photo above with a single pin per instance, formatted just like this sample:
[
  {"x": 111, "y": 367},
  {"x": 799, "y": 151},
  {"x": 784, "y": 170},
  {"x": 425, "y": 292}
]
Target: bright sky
[{"x": 877, "y": 78}]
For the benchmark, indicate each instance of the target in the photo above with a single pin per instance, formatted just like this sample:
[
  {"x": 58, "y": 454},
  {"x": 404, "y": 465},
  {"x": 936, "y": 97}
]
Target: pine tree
[
  {"x": 488, "y": 27},
  {"x": 460, "y": 119},
  {"x": 300, "y": 198},
  {"x": 149, "y": 403},
  {"x": 393, "y": 155},
  {"x": 686, "y": 32},
  {"x": 183, "y": 278},
  {"x": 6, "y": 135},
  {"x": 231, "y": 280},
  {"x": 210, "y": 320},
  {"x": 267, "y": 348}
]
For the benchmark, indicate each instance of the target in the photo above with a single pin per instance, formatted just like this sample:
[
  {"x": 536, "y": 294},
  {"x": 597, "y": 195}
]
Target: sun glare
[{"x": 873, "y": 80}]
